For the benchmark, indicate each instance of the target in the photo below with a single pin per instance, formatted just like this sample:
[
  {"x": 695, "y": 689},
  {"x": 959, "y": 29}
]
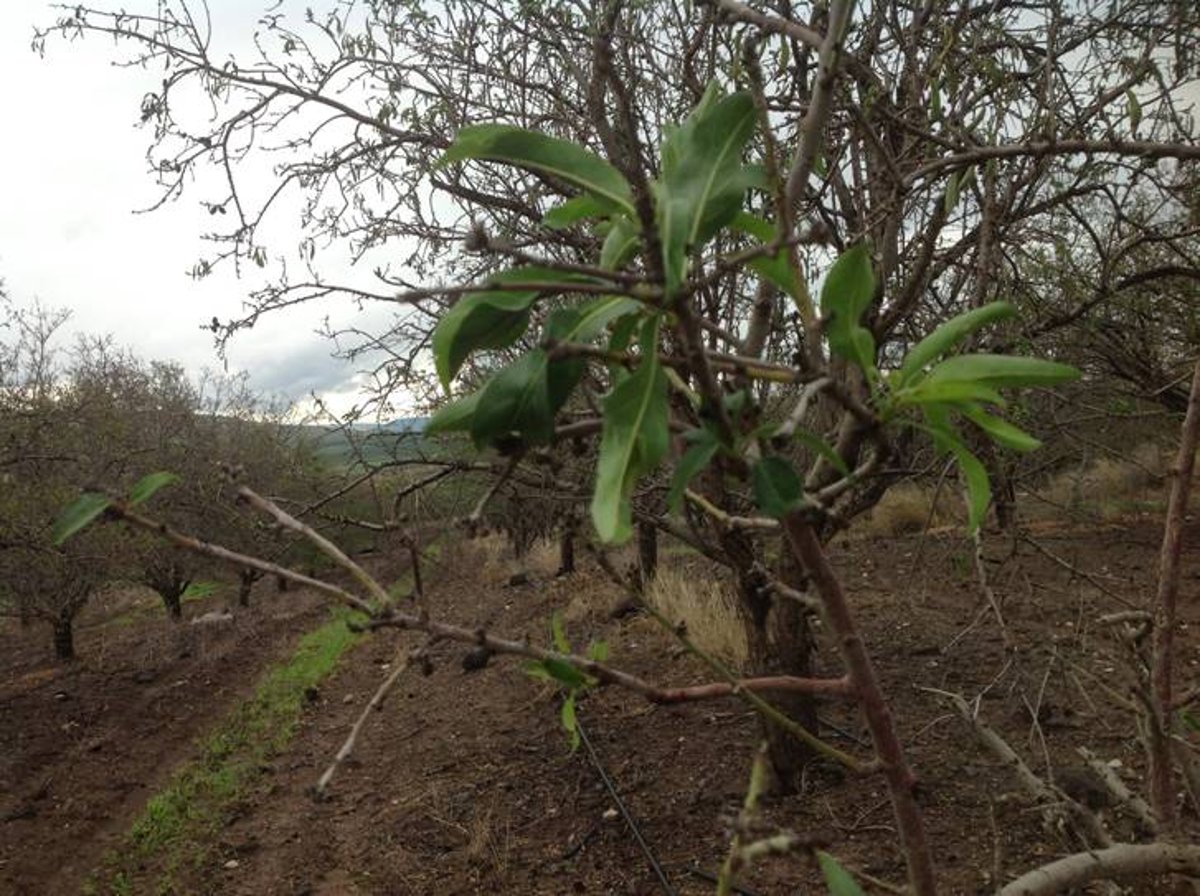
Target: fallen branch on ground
[{"x": 1120, "y": 862}]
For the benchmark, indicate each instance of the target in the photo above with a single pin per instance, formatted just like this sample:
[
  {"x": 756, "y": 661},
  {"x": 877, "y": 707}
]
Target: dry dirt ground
[{"x": 464, "y": 783}]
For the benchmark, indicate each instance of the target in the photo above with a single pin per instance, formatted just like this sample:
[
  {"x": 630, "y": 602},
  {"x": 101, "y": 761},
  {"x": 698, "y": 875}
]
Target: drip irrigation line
[{"x": 624, "y": 810}]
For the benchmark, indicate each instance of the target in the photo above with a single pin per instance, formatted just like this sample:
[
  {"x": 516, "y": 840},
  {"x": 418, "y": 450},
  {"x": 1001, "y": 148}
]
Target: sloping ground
[
  {"x": 464, "y": 783},
  {"x": 82, "y": 747}
]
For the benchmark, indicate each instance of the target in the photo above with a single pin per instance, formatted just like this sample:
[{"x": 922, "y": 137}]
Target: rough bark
[
  {"x": 647, "y": 542},
  {"x": 172, "y": 599},
  {"x": 1162, "y": 789},
  {"x": 64, "y": 634},
  {"x": 566, "y": 551},
  {"x": 790, "y": 651},
  {"x": 246, "y": 580}
]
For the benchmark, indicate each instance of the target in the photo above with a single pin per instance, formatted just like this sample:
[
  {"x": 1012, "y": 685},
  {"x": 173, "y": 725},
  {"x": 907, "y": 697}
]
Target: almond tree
[{"x": 759, "y": 248}]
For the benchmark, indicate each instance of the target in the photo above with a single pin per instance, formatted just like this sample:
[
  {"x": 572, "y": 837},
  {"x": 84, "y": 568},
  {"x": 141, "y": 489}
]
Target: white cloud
[{"x": 73, "y": 171}]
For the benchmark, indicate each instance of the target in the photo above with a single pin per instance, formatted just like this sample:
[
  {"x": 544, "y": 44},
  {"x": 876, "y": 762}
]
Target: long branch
[
  {"x": 1162, "y": 790},
  {"x": 1121, "y": 862}
]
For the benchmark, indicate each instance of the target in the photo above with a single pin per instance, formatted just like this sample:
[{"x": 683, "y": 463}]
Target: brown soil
[
  {"x": 464, "y": 783},
  {"x": 84, "y": 745}
]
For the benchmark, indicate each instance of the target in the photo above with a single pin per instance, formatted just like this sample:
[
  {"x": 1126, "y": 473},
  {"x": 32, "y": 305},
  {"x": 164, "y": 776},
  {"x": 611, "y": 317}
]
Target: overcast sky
[{"x": 72, "y": 174}]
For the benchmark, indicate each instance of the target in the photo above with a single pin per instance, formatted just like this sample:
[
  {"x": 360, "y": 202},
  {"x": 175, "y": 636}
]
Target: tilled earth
[{"x": 465, "y": 783}]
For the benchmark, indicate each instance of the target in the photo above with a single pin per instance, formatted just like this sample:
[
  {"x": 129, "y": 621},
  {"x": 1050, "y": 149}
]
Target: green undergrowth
[{"x": 179, "y": 828}]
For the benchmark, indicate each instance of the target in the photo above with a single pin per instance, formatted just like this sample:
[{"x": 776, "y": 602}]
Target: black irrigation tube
[
  {"x": 624, "y": 810},
  {"x": 693, "y": 869}
]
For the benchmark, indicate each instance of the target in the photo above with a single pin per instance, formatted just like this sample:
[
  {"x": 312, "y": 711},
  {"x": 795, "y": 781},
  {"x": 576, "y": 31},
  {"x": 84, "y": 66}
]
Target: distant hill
[{"x": 373, "y": 443}]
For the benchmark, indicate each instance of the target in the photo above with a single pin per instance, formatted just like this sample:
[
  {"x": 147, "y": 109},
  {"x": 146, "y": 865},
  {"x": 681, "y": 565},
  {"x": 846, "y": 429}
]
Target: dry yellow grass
[
  {"x": 1109, "y": 486},
  {"x": 705, "y": 602},
  {"x": 905, "y": 509}
]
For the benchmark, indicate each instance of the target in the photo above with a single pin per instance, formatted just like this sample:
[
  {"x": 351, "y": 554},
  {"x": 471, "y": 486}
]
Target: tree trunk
[
  {"x": 172, "y": 599},
  {"x": 778, "y": 643},
  {"x": 789, "y": 651},
  {"x": 647, "y": 543},
  {"x": 64, "y": 635},
  {"x": 566, "y": 551},
  {"x": 246, "y": 581}
]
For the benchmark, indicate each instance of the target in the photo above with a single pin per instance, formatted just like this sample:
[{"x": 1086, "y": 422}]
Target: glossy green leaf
[
  {"x": 634, "y": 439},
  {"x": 837, "y": 879},
  {"x": 999, "y": 371},
  {"x": 558, "y": 633},
  {"x": 594, "y": 316},
  {"x": 846, "y": 294},
  {"x": 1135, "y": 111},
  {"x": 950, "y": 392},
  {"x": 775, "y": 269},
  {"x": 1001, "y": 431},
  {"x": 556, "y": 671},
  {"x": 79, "y": 515},
  {"x": 574, "y": 210},
  {"x": 619, "y": 244},
  {"x": 949, "y": 335},
  {"x": 950, "y": 199},
  {"x": 148, "y": 485},
  {"x": 777, "y": 489},
  {"x": 455, "y": 416},
  {"x": 516, "y": 400},
  {"x": 564, "y": 673},
  {"x": 569, "y": 722},
  {"x": 495, "y": 319},
  {"x": 820, "y": 447},
  {"x": 548, "y": 155},
  {"x": 979, "y": 487},
  {"x": 703, "y": 180},
  {"x": 694, "y": 461}
]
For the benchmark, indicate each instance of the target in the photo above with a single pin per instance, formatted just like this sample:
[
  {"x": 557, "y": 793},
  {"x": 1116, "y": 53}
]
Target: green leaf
[
  {"x": 564, "y": 673},
  {"x": 516, "y": 400},
  {"x": 837, "y": 879},
  {"x": 634, "y": 439},
  {"x": 148, "y": 485},
  {"x": 619, "y": 245},
  {"x": 548, "y": 155},
  {"x": 703, "y": 180},
  {"x": 79, "y": 514},
  {"x": 489, "y": 319},
  {"x": 574, "y": 210},
  {"x": 999, "y": 371},
  {"x": 819, "y": 446},
  {"x": 457, "y": 415},
  {"x": 694, "y": 460},
  {"x": 949, "y": 392},
  {"x": 847, "y": 293},
  {"x": 1001, "y": 431},
  {"x": 979, "y": 487},
  {"x": 569, "y": 722},
  {"x": 598, "y": 651},
  {"x": 598, "y": 314},
  {"x": 559, "y": 634},
  {"x": 524, "y": 397},
  {"x": 777, "y": 489},
  {"x": 950, "y": 200},
  {"x": 1135, "y": 111},
  {"x": 950, "y": 334},
  {"x": 776, "y": 269},
  {"x": 557, "y": 671}
]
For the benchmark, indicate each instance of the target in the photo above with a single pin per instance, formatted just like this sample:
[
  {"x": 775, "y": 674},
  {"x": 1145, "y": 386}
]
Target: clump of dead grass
[
  {"x": 1109, "y": 487},
  {"x": 706, "y": 603},
  {"x": 907, "y": 508}
]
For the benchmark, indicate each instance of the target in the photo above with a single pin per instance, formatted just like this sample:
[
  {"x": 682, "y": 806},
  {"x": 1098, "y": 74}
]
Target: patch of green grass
[{"x": 179, "y": 826}]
